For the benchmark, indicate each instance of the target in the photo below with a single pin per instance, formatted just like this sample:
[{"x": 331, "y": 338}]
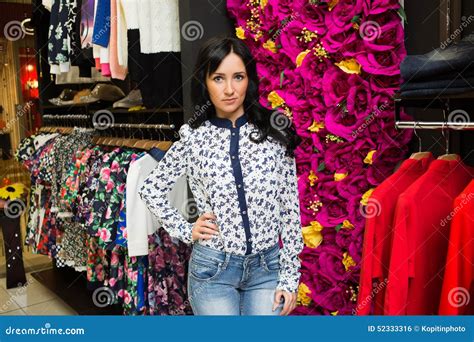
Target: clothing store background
[{"x": 333, "y": 252}]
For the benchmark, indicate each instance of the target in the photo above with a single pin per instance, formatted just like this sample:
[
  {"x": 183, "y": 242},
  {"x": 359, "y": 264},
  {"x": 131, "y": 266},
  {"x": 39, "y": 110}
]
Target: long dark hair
[{"x": 268, "y": 123}]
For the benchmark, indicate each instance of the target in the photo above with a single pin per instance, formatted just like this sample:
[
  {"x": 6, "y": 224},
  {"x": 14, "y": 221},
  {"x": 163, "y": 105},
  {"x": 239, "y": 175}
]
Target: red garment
[
  {"x": 378, "y": 235},
  {"x": 420, "y": 240},
  {"x": 457, "y": 296}
]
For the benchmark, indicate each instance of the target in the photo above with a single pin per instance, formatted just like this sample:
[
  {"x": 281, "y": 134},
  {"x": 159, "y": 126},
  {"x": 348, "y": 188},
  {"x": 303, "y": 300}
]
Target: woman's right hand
[{"x": 203, "y": 229}]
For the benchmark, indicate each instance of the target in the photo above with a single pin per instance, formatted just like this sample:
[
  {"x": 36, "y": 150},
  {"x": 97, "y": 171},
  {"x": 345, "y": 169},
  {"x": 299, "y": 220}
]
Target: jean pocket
[
  {"x": 272, "y": 264},
  {"x": 204, "y": 269}
]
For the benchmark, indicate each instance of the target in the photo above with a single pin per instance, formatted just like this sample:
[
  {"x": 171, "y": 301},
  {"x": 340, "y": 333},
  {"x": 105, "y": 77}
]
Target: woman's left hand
[{"x": 289, "y": 301}]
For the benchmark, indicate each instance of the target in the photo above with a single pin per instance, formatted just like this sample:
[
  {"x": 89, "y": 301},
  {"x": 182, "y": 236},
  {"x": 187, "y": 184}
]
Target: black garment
[
  {"x": 456, "y": 82},
  {"x": 13, "y": 253},
  {"x": 157, "y": 75},
  {"x": 455, "y": 59},
  {"x": 82, "y": 58},
  {"x": 435, "y": 92}
]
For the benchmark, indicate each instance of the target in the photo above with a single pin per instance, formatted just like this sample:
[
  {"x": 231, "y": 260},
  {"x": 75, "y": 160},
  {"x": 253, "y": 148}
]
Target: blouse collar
[{"x": 227, "y": 123}]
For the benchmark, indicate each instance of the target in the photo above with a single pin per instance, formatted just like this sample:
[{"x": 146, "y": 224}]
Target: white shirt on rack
[{"x": 140, "y": 220}]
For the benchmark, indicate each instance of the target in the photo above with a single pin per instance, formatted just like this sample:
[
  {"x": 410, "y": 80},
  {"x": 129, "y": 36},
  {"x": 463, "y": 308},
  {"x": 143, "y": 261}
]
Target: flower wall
[{"x": 332, "y": 67}]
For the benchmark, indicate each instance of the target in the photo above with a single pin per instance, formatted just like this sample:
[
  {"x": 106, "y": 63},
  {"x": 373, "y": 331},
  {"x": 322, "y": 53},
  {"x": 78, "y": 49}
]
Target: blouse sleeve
[
  {"x": 290, "y": 232},
  {"x": 158, "y": 185}
]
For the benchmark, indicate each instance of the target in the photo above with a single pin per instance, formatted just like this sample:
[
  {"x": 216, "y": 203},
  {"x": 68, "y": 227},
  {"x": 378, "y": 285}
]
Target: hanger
[
  {"x": 418, "y": 155},
  {"x": 447, "y": 156}
]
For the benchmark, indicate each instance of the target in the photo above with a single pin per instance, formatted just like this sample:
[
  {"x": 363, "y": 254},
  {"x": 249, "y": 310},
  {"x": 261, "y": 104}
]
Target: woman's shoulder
[{"x": 188, "y": 133}]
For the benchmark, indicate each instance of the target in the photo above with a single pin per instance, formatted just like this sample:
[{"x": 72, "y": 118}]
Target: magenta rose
[
  {"x": 312, "y": 70},
  {"x": 353, "y": 185},
  {"x": 345, "y": 43},
  {"x": 311, "y": 14},
  {"x": 336, "y": 85},
  {"x": 288, "y": 39},
  {"x": 342, "y": 124},
  {"x": 359, "y": 98},
  {"x": 339, "y": 19},
  {"x": 380, "y": 6},
  {"x": 381, "y": 62},
  {"x": 381, "y": 37}
]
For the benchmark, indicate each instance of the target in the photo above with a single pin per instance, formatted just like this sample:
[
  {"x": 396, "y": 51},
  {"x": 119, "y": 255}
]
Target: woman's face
[{"x": 227, "y": 86}]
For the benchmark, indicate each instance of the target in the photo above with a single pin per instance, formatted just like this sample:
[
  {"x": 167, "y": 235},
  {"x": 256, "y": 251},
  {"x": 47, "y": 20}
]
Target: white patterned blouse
[{"x": 250, "y": 187}]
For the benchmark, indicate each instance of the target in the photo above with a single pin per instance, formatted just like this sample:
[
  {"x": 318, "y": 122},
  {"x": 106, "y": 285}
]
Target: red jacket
[
  {"x": 378, "y": 235},
  {"x": 457, "y": 296},
  {"x": 420, "y": 239}
]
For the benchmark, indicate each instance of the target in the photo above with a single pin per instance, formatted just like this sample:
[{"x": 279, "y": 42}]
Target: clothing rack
[
  {"x": 139, "y": 126},
  {"x": 434, "y": 125}
]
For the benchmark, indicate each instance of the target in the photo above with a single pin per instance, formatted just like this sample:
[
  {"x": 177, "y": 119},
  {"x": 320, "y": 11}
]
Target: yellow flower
[
  {"x": 303, "y": 292},
  {"x": 240, "y": 32},
  {"x": 312, "y": 177},
  {"x": 350, "y": 66},
  {"x": 270, "y": 45},
  {"x": 347, "y": 224},
  {"x": 316, "y": 126},
  {"x": 312, "y": 234},
  {"x": 12, "y": 191},
  {"x": 301, "y": 56},
  {"x": 348, "y": 261},
  {"x": 263, "y": 3},
  {"x": 340, "y": 176},
  {"x": 332, "y": 4},
  {"x": 275, "y": 99},
  {"x": 334, "y": 313},
  {"x": 370, "y": 156},
  {"x": 366, "y": 196}
]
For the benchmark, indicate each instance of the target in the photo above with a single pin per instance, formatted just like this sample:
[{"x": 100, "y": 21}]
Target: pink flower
[
  {"x": 105, "y": 174},
  {"x": 381, "y": 6},
  {"x": 104, "y": 235},
  {"x": 340, "y": 18},
  {"x": 112, "y": 282},
  {"x": 381, "y": 62},
  {"x": 110, "y": 185}
]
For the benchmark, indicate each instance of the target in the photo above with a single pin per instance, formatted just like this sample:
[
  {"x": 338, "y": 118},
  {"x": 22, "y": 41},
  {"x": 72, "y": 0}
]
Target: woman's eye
[
  {"x": 239, "y": 77},
  {"x": 217, "y": 78}
]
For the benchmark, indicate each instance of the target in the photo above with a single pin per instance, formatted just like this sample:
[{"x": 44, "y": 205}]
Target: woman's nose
[{"x": 229, "y": 90}]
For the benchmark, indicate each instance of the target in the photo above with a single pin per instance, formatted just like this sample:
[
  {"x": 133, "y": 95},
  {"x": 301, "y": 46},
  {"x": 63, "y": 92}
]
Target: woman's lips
[{"x": 229, "y": 101}]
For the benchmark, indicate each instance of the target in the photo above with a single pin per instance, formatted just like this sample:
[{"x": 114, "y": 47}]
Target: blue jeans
[{"x": 222, "y": 283}]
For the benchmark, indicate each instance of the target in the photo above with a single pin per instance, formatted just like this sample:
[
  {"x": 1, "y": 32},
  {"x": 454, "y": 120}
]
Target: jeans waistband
[{"x": 222, "y": 256}]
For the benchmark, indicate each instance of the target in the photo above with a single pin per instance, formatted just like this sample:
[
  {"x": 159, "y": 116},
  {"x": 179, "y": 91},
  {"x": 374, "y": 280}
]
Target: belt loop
[
  {"x": 262, "y": 259},
  {"x": 227, "y": 258}
]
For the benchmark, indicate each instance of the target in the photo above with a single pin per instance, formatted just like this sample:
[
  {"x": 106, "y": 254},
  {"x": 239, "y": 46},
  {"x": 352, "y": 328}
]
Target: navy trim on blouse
[{"x": 237, "y": 170}]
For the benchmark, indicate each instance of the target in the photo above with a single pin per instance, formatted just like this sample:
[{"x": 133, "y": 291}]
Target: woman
[{"x": 239, "y": 162}]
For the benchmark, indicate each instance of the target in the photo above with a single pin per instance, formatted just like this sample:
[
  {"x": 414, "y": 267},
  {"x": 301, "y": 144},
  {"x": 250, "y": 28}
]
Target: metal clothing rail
[
  {"x": 434, "y": 125},
  {"x": 139, "y": 126},
  {"x": 66, "y": 117}
]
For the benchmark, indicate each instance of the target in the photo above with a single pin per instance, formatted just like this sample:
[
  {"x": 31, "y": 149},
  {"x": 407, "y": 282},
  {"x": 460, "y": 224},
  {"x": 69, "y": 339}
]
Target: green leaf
[
  {"x": 282, "y": 75},
  {"x": 322, "y": 167},
  {"x": 402, "y": 14},
  {"x": 338, "y": 227},
  {"x": 356, "y": 19}
]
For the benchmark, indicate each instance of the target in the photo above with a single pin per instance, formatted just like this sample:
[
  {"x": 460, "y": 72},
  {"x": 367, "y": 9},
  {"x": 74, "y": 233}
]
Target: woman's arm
[
  {"x": 290, "y": 232},
  {"x": 157, "y": 186}
]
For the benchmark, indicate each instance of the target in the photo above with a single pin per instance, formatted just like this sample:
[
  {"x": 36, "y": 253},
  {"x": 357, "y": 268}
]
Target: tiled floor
[{"x": 33, "y": 299}]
